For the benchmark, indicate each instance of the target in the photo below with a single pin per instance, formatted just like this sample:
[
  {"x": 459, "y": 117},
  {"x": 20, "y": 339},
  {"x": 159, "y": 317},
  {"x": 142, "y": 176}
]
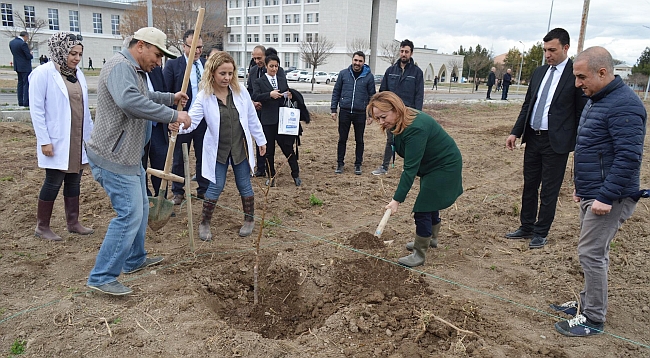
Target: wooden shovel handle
[{"x": 382, "y": 223}]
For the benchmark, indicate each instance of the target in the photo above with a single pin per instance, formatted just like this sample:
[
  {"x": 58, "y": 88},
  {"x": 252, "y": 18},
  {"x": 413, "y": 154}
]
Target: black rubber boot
[
  {"x": 206, "y": 216},
  {"x": 248, "y": 202}
]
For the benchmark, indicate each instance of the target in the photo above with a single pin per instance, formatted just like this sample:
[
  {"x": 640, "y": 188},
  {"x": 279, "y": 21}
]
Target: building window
[
  {"x": 316, "y": 37},
  {"x": 287, "y": 37},
  {"x": 312, "y": 1},
  {"x": 53, "y": 19},
  {"x": 234, "y": 4},
  {"x": 296, "y": 37},
  {"x": 316, "y": 17},
  {"x": 256, "y": 20},
  {"x": 232, "y": 37},
  {"x": 310, "y": 18},
  {"x": 309, "y": 37},
  {"x": 296, "y": 1},
  {"x": 256, "y": 2},
  {"x": 287, "y": 2},
  {"x": 267, "y": 37},
  {"x": 276, "y": 19},
  {"x": 249, "y": 20},
  {"x": 97, "y": 23},
  {"x": 73, "y": 15},
  {"x": 238, "y": 37},
  {"x": 287, "y": 63},
  {"x": 287, "y": 19},
  {"x": 267, "y": 19},
  {"x": 275, "y": 38},
  {"x": 267, "y": 2},
  {"x": 30, "y": 17},
  {"x": 115, "y": 24},
  {"x": 256, "y": 38},
  {"x": 294, "y": 58},
  {"x": 116, "y": 49},
  {"x": 7, "y": 15},
  {"x": 231, "y": 21},
  {"x": 249, "y": 38},
  {"x": 296, "y": 18},
  {"x": 238, "y": 20}
]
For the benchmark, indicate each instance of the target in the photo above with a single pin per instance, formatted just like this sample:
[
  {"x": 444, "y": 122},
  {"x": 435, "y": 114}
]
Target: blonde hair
[
  {"x": 214, "y": 61},
  {"x": 388, "y": 101}
]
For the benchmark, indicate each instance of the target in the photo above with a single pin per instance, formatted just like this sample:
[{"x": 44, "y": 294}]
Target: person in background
[
  {"x": 547, "y": 124},
  {"x": 124, "y": 108},
  {"x": 505, "y": 84},
  {"x": 352, "y": 92},
  {"x": 62, "y": 123},
  {"x": 435, "y": 83},
  {"x": 490, "y": 82},
  {"x": 607, "y": 162},
  {"x": 428, "y": 152},
  {"x": 273, "y": 91},
  {"x": 155, "y": 151},
  {"x": 232, "y": 125},
  {"x": 90, "y": 64},
  {"x": 173, "y": 74},
  {"x": 406, "y": 80},
  {"x": 22, "y": 65}
]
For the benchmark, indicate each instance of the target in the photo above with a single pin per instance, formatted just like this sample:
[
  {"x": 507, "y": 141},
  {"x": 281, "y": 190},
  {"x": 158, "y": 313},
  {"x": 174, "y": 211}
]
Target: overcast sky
[{"x": 499, "y": 25}]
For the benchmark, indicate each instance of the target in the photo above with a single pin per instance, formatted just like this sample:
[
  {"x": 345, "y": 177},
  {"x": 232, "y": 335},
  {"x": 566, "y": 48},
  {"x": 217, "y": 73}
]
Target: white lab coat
[
  {"x": 208, "y": 108},
  {"x": 49, "y": 107}
]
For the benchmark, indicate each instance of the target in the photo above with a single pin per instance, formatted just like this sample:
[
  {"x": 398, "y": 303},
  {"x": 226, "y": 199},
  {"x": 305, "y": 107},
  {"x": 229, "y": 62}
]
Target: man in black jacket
[
  {"x": 490, "y": 82},
  {"x": 352, "y": 91},
  {"x": 547, "y": 123},
  {"x": 406, "y": 80},
  {"x": 22, "y": 65},
  {"x": 507, "y": 80}
]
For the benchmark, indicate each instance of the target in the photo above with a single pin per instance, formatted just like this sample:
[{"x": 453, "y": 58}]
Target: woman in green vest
[{"x": 428, "y": 152}]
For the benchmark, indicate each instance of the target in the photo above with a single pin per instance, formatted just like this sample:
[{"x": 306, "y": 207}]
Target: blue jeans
[
  {"x": 242, "y": 179},
  {"x": 123, "y": 246}
]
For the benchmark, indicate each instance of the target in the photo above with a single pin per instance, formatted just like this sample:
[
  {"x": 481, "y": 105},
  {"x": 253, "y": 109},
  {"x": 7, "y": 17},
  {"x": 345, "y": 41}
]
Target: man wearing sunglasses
[{"x": 173, "y": 74}]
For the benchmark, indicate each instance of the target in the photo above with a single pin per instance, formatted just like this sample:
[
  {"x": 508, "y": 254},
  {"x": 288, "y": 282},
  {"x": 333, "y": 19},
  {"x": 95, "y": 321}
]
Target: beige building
[{"x": 97, "y": 21}]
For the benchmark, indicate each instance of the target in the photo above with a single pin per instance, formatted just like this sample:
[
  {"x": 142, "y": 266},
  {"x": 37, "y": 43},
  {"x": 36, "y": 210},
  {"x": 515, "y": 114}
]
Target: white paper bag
[{"x": 289, "y": 121}]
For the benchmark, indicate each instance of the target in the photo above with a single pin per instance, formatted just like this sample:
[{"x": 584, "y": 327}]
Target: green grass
[
  {"x": 18, "y": 347},
  {"x": 314, "y": 201},
  {"x": 7, "y": 178},
  {"x": 274, "y": 221}
]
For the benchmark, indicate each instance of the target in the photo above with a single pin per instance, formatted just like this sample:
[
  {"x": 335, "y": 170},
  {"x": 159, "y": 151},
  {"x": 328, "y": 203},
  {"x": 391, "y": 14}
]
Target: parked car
[
  {"x": 290, "y": 68},
  {"x": 295, "y": 75},
  {"x": 378, "y": 79},
  {"x": 241, "y": 72},
  {"x": 319, "y": 77},
  {"x": 334, "y": 76}
]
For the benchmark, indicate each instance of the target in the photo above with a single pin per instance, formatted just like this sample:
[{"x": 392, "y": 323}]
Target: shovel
[
  {"x": 161, "y": 208},
  {"x": 382, "y": 224}
]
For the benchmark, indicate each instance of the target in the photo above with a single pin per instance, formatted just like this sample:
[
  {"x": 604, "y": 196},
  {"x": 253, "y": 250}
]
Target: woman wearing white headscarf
[{"x": 58, "y": 98}]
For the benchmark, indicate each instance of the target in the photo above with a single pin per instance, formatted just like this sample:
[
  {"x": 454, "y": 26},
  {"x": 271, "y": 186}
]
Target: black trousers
[
  {"x": 285, "y": 142},
  {"x": 542, "y": 165},
  {"x": 504, "y": 94},
  {"x": 346, "y": 120},
  {"x": 488, "y": 92},
  {"x": 54, "y": 178},
  {"x": 155, "y": 153},
  {"x": 195, "y": 136}
]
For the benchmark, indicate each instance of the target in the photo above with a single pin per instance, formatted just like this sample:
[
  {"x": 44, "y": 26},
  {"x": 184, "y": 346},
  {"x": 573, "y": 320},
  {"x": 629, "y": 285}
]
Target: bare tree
[
  {"x": 476, "y": 62},
  {"x": 453, "y": 65},
  {"x": 21, "y": 24},
  {"x": 315, "y": 53},
  {"x": 358, "y": 44},
  {"x": 174, "y": 17},
  {"x": 389, "y": 52}
]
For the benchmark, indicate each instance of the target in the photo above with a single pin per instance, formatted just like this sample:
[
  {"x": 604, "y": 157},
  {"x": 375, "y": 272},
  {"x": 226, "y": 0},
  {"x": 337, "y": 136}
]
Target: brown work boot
[
  {"x": 43, "y": 215},
  {"x": 248, "y": 202},
  {"x": 72, "y": 216},
  {"x": 206, "y": 216}
]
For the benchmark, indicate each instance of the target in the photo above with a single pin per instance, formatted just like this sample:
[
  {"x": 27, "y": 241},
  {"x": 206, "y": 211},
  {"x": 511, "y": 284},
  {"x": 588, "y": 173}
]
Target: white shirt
[
  {"x": 275, "y": 78},
  {"x": 551, "y": 91},
  {"x": 194, "y": 83}
]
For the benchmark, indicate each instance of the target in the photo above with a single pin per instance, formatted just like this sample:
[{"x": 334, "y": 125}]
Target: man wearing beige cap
[{"x": 124, "y": 108}]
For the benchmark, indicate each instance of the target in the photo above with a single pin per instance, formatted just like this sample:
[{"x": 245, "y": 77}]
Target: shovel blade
[{"x": 160, "y": 209}]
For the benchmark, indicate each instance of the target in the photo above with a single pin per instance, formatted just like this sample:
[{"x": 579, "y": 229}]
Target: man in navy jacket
[
  {"x": 173, "y": 74},
  {"x": 352, "y": 91},
  {"x": 22, "y": 65},
  {"x": 608, "y": 153},
  {"x": 406, "y": 80}
]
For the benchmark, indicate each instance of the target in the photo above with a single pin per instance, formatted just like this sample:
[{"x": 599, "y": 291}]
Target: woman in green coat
[{"x": 428, "y": 152}]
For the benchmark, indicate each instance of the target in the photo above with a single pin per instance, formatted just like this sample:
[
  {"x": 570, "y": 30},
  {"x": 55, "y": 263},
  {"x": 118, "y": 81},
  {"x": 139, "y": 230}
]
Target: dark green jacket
[{"x": 430, "y": 153}]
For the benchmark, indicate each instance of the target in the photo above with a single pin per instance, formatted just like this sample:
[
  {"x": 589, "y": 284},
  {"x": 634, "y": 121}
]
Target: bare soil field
[{"x": 327, "y": 286}]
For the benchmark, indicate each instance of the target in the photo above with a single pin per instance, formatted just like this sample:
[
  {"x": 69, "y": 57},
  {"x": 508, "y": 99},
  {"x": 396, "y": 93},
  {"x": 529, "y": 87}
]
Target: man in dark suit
[
  {"x": 272, "y": 91},
  {"x": 507, "y": 80},
  {"x": 155, "y": 152},
  {"x": 173, "y": 74},
  {"x": 22, "y": 65},
  {"x": 547, "y": 123},
  {"x": 490, "y": 82}
]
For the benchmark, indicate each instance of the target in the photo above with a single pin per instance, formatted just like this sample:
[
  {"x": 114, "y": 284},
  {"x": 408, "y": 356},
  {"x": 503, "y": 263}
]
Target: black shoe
[
  {"x": 579, "y": 326},
  {"x": 570, "y": 308},
  {"x": 298, "y": 181},
  {"x": 200, "y": 196},
  {"x": 357, "y": 169},
  {"x": 260, "y": 174},
  {"x": 519, "y": 234},
  {"x": 537, "y": 242},
  {"x": 339, "y": 169}
]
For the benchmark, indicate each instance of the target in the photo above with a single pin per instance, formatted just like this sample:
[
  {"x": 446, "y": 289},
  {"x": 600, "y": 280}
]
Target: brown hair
[
  {"x": 388, "y": 101},
  {"x": 214, "y": 61}
]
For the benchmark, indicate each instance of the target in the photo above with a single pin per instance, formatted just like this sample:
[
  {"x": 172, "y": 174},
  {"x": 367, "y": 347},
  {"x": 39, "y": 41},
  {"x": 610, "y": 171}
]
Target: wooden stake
[{"x": 188, "y": 181}]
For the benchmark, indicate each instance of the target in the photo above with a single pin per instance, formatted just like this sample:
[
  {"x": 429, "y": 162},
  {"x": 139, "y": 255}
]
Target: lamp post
[
  {"x": 521, "y": 65},
  {"x": 548, "y": 29}
]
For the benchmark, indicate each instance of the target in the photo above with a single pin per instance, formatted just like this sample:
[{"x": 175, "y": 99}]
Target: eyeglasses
[{"x": 200, "y": 48}]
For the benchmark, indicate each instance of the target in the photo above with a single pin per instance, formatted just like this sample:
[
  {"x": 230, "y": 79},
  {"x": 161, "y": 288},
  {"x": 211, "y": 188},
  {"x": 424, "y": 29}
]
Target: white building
[
  {"x": 623, "y": 70},
  {"x": 97, "y": 21},
  {"x": 283, "y": 24}
]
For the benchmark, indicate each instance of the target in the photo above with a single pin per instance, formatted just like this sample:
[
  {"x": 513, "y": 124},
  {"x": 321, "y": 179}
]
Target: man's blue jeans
[
  {"x": 242, "y": 179},
  {"x": 123, "y": 246}
]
